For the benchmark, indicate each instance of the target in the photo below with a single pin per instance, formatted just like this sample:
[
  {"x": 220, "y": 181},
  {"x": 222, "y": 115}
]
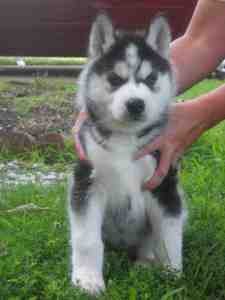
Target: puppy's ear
[
  {"x": 101, "y": 36},
  {"x": 159, "y": 36}
]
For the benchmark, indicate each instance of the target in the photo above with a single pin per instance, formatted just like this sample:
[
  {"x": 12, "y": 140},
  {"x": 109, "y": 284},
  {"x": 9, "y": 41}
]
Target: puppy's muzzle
[{"x": 135, "y": 108}]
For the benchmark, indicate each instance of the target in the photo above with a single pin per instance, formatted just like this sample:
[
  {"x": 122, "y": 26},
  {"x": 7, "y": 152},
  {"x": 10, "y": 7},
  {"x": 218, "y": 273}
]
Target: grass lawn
[{"x": 34, "y": 246}]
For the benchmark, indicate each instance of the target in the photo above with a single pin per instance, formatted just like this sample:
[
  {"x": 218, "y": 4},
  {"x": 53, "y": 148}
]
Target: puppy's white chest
[
  {"x": 125, "y": 220},
  {"x": 117, "y": 169},
  {"x": 132, "y": 174}
]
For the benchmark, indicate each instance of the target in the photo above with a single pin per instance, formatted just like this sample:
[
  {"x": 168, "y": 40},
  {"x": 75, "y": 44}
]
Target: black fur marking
[
  {"x": 150, "y": 80},
  {"x": 167, "y": 194},
  {"x": 121, "y": 214},
  {"x": 115, "y": 80},
  {"x": 117, "y": 53},
  {"x": 82, "y": 183},
  {"x": 157, "y": 125},
  {"x": 96, "y": 120},
  {"x": 132, "y": 253},
  {"x": 128, "y": 202},
  {"x": 98, "y": 138}
]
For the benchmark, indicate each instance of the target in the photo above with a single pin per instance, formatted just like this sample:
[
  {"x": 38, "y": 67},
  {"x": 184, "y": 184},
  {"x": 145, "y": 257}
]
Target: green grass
[
  {"x": 51, "y": 61},
  {"x": 48, "y": 157},
  {"x": 34, "y": 246},
  {"x": 25, "y": 96},
  {"x": 201, "y": 88}
]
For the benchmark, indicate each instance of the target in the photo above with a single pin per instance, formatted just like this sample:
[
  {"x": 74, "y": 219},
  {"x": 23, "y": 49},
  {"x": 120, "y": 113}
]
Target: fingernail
[
  {"x": 154, "y": 183},
  {"x": 148, "y": 186}
]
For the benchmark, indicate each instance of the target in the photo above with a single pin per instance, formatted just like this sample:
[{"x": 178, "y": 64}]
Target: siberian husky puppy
[{"x": 126, "y": 88}]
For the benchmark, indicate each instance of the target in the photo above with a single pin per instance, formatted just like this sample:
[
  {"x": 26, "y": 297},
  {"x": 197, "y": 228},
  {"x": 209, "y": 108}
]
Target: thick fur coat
[{"x": 126, "y": 87}]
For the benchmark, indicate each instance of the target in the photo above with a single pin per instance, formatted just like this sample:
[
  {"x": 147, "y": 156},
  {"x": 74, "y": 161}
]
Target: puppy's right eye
[
  {"x": 115, "y": 80},
  {"x": 151, "y": 78}
]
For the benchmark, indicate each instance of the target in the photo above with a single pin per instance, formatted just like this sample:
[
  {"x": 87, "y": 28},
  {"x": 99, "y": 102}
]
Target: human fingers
[
  {"x": 153, "y": 146},
  {"x": 75, "y": 131},
  {"x": 166, "y": 159}
]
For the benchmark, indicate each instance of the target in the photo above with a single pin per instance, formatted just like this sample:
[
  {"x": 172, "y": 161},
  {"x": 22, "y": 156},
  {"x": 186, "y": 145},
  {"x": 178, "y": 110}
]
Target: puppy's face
[{"x": 129, "y": 83}]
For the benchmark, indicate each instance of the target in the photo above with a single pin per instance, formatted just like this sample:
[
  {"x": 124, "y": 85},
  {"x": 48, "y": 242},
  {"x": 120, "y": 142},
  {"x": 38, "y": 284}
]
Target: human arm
[
  {"x": 193, "y": 56},
  {"x": 187, "y": 121},
  {"x": 200, "y": 50}
]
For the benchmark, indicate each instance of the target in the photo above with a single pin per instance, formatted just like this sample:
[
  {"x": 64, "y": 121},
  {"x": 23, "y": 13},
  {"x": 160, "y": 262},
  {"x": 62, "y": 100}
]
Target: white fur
[
  {"x": 117, "y": 174},
  {"x": 159, "y": 36},
  {"x": 101, "y": 36},
  {"x": 131, "y": 57},
  {"x": 145, "y": 69},
  {"x": 121, "y": 69}
]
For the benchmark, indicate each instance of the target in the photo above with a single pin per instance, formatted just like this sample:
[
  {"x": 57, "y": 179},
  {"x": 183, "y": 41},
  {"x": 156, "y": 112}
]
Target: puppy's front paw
[{"x": 89, "y": 281}]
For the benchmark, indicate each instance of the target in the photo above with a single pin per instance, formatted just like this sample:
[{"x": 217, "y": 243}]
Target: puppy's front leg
[{"x": 87, "y": 245}]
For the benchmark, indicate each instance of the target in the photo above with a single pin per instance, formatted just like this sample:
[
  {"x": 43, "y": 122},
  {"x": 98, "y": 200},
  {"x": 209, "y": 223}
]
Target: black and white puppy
[{"x": 127, "y": 88}]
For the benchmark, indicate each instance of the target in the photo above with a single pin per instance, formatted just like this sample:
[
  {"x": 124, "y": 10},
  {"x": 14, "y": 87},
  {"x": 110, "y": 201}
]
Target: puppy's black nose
[{"x": 135, "y": 106}]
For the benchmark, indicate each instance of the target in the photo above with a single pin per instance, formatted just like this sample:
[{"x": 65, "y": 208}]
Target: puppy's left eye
[
  {"x": 151, "y": 78},
  {"x": 115, "y": 80}
]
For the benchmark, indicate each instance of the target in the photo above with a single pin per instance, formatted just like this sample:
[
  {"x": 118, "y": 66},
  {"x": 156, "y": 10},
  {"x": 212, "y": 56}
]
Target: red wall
[{"x": 60, "y": 27}]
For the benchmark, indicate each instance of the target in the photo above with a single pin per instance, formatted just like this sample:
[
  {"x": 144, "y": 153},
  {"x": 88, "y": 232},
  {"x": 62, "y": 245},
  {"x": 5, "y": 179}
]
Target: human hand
[
  {"x": 82, "y": 117},
  {"x": 185, "y": 125}
]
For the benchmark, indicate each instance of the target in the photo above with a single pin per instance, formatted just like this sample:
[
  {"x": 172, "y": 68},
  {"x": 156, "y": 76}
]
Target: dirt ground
[{"x": 36, "y": 110}]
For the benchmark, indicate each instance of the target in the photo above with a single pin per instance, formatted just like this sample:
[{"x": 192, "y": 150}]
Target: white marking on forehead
[
  {"x": 145, "y": 69},
  {"x": 132, "y": 58}
]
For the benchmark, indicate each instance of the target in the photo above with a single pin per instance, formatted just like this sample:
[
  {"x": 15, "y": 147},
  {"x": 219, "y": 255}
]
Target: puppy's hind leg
[
  {"x": 168, "y": 246},
  {"x": 145, "y": 255},
  {"x": 163, "y": 245},
  {"x": 86, "y": 216}
]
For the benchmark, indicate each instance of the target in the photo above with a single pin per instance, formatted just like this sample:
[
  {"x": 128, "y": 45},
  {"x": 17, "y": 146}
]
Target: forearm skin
[{"x": 199, "y": 51}]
